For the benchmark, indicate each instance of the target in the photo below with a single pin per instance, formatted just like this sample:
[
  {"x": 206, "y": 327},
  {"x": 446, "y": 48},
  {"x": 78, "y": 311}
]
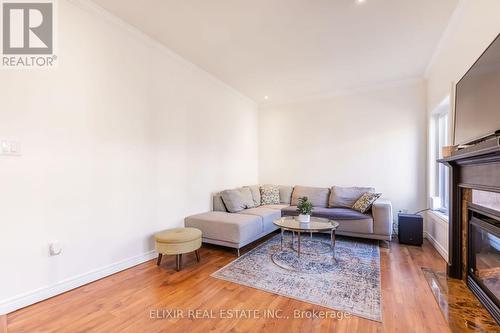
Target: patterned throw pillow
[
  {"x": 270, "y": 195},
  {"x": 365, "y": 202}
]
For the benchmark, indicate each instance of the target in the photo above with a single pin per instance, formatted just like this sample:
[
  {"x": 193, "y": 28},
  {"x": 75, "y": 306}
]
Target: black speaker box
[{"x": 410, "y": 229}]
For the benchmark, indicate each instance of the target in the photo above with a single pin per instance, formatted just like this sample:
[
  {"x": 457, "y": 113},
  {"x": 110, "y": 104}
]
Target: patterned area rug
[{"x": 350, "y": 282}]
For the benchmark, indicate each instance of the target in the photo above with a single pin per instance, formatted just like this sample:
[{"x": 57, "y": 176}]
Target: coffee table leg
[
  {"x": 281, "y": 239},
  {"x": 333, "y": 241},
  {"x": 298, "y": 232}
]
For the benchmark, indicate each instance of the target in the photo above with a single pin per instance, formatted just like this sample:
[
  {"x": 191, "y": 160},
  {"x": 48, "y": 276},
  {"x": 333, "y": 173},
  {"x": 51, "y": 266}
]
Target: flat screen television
[{"x": 477, "y": 98}]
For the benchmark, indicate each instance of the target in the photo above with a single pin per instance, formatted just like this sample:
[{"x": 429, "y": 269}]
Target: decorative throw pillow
[
  {"x": 247, "y": 197},
  {"x": 270, "y": 195},
  {"x": 238, "y": 199},
  {"x": 285, "y": 194},
  {"x": 218, "y": 203},
  {"x": 346, "y": 196},
  {"x": 255, "y": 189},
  {"x": 365, "y": 202},
  {"x": 318, "y": 196}
]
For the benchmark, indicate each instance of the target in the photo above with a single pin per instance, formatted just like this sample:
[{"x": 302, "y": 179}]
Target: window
[
  {"x": 442, "y": 176},
  {"x": 439, "y": 137}
]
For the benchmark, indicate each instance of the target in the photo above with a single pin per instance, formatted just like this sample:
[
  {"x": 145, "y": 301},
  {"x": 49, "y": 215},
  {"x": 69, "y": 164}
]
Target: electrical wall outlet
[
  {"x": 55, "y": 248},
  {"x": 10, "y": 148}
]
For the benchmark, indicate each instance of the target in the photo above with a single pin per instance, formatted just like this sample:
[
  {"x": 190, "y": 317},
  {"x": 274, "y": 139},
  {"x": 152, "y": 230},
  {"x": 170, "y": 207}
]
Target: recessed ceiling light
[
  {"x": 359, "y": 2},
  {"x": 266, "y": 97}
]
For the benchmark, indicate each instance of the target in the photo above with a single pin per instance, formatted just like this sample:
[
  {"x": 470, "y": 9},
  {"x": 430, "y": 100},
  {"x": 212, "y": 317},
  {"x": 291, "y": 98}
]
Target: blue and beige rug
[{"x": 350, "y": 282}]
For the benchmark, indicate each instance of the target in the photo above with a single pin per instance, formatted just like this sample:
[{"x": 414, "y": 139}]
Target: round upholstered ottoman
[{"x": 176, "y": 242}]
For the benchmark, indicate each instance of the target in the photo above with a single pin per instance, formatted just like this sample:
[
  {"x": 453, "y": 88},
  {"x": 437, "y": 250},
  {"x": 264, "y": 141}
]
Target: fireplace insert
[{"x": 484, "y": 257}]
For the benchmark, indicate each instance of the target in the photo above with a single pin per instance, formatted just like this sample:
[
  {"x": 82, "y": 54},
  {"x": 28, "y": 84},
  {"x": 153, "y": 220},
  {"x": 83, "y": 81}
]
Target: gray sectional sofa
[{"x": 247, "y": 225}]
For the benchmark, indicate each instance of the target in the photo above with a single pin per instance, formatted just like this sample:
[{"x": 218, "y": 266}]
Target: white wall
[
  {"x": 472, "y": 28},
  {"x": 374, "y": 137},
  {"x": 436, "y": 231},
  {"x": 122, "y": 139}
]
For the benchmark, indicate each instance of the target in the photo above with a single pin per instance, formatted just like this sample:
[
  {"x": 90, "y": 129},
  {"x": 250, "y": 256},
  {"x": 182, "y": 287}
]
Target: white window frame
[
  {"x": 443, "y": 176},
  {"x": 439, "y": 136}
]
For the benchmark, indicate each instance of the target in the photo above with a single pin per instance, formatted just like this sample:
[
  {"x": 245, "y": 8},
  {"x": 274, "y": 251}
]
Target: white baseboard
[
  {"x": 17, "y": 302},
  {"x": 442, "y": 251}
]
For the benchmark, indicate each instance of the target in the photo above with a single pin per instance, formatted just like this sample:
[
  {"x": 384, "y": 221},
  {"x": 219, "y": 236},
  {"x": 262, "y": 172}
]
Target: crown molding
[
  {"x": 348, "y": 91},
  {"x": 450, "y": 28},
  {"x": 94, "y": 8}
]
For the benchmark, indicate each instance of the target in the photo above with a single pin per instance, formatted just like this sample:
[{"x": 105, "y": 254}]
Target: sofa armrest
[{"x": 382, "y": 217}]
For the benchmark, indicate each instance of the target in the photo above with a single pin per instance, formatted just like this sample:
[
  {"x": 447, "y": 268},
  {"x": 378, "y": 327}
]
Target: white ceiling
[{"x": 292, "y": 49}]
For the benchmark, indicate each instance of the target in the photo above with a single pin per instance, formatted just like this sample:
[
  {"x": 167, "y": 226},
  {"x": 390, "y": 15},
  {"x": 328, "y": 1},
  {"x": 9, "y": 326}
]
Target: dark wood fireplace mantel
[
  {"x": 473, "y": 170},
  {"x": 475, "y": 178}
]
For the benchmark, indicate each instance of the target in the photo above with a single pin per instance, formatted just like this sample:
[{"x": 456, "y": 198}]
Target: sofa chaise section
[
  {"x": 227, "y": 229},
  {"x": 268, "y": 216}
]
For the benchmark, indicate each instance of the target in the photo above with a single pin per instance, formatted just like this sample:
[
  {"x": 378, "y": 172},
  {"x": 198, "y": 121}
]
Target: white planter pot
[{"x": 304, "y": 218}]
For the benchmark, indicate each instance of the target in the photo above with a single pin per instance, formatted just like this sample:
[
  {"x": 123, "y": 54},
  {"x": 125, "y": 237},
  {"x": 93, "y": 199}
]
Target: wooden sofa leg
[
  {"x": 197, "y": 255},
  {"x": 158, "y": 262},
  {"x": 385, "y": 244},
  {"x": 238, "y": 252}
]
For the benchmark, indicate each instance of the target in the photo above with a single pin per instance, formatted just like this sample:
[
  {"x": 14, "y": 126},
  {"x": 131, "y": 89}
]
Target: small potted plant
[{"x": 304, "y": 207}]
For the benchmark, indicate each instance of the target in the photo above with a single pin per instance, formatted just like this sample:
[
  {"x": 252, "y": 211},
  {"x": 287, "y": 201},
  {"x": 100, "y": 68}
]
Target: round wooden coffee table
[{"x": 291, "y": 223}]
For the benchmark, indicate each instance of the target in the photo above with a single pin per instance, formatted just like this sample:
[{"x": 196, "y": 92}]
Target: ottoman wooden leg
[
  {"x": 197, "y": 255},
  {"x": 176, "y": 241},
  {"x": 178, "y": 259}
]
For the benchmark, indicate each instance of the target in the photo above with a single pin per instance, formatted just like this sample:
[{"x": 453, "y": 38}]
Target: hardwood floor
[
  {"x": 3, "y": 324},
  {"x": 123, "y": 302}
]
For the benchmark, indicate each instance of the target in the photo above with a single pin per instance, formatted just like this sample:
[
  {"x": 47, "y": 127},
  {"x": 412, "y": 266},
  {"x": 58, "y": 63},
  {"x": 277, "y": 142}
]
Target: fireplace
[
  {"x": 474, "y": 223},
  {"x": 483, "y": 276}
]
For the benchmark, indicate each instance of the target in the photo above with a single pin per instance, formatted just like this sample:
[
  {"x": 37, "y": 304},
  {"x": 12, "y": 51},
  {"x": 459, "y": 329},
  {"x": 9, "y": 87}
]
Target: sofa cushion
[
  {"x": 268, "y": 215},
  {"x": 218, "y": 204},
  {"x": 278, "y": 207},
  {"x": 234, "y": 228},
  {"x": 285, "y": 194},
  {"x": 255, "y": 189},
  {"x": 339, "y": 214},
  {"x": 362, "y": 226},
  {"x": 330, "y": 213},
  {"x": 364, "y": 203},
  {"x": 270, "y": 195},
  {"x": 237, "y": 199},
  {"x": 346, "y": 196},
  {"x": 317, "y": 195},
  {"x": 247, "y": 197}
]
